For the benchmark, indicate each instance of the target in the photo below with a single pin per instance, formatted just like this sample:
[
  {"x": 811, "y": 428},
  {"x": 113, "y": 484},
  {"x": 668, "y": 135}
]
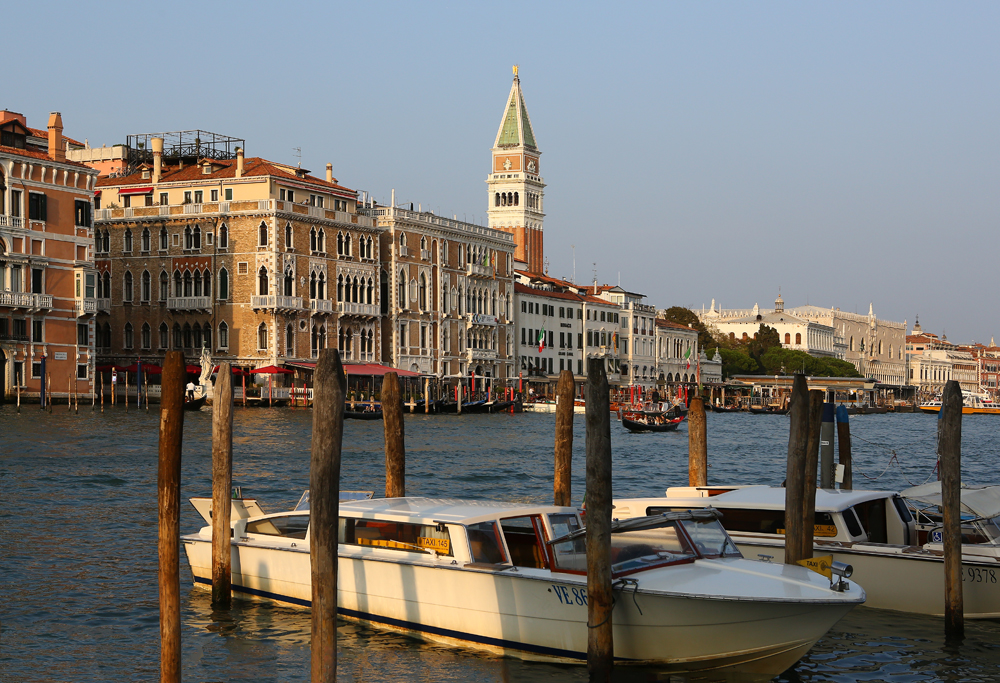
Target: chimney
[
  {"x": 157, "y": 145},
  {"x": 329, "y": 173},
  {"x": 239, "y": 162},
  {"x": 57, "y": 149}
]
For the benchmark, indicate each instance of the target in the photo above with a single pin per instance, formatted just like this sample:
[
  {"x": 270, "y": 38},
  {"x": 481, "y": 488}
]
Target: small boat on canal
[
  {"x": 892, "y": 540},
  {"x": 972, "y": 404},
  {"x": 642, "y": 421},
  {"x": 511, "y": 579},
  {"x": 194, "y": 403}
]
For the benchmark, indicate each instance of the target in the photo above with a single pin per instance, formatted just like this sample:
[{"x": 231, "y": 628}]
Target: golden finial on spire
[{"x": 515, "y": 69}]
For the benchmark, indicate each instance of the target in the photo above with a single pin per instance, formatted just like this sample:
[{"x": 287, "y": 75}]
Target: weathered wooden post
[
  {"x": 600, "y": 641},
  {"x": 19, "y": 396},
  {"x": 49, "y": 399},
  {"x": 844, "y": 444},
  {"x": 826, "y": 447},
  {"x": 564, "y": 438},
  {"x": 427, "y": 395},
  {"x": 222, "y": 484},
  {"x": 126, "y": 392},
  {"x": 798, "y": 432},
  {"x": 102, "y": 391},
  {"x": 329, "y": 391},
  {"x": 812, "y": 462},
  {"x": 458, "y": 394},
  {"x": 169, "y": 504},
  {"x": 395, "y": 449},
  {"x": 950, "y": 459},
  {"x": 697, "y": 443}
]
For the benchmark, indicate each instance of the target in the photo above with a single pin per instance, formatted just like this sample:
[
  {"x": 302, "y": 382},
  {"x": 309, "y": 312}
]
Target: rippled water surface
[{"x": 78, "y": 527}]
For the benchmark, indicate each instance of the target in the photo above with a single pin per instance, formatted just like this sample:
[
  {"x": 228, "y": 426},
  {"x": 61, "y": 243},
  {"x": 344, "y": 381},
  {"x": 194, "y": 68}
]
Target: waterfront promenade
[{"x": 78, "y": 595}]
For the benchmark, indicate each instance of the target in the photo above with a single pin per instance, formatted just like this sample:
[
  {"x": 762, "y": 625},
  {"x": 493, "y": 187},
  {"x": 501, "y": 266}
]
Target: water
[{"x": 78, "y": 531}]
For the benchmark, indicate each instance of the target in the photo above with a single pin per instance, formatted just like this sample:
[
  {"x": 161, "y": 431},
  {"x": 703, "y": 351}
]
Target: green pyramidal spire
[{"x": 515, "y": 129}]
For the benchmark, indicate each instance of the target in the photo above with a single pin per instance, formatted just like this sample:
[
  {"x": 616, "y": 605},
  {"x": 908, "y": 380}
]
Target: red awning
[
  {"x": 236, "y": 371},
  {"x": 364, "y": 369},
  {"x": 97, "y": 193},
  {"x": 272, "y": 370},
  {"x": 135, "y": 190}
]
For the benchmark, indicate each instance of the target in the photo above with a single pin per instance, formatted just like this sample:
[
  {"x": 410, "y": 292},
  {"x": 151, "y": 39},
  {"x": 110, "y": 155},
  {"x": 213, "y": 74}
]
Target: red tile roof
[
  {"x": 660, "y": 322},
  {"x": 38, "y": 154},
  {"x": 252, "y": 167}
]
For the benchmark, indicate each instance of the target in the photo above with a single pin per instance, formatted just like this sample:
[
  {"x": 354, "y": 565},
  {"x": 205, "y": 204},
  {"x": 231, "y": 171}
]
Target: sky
[{"x": 844, "y": 153}]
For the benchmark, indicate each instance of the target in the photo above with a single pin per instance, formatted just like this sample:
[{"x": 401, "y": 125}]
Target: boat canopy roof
[
  {"x": 768, "y": 498},
  {"x": 981, "y": 501},
  {"x": 449, "y": 510}
]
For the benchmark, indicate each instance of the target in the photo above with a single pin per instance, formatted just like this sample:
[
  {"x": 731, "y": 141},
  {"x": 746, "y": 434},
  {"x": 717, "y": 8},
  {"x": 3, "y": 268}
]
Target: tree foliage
[
  {"x": 780, "y": 361},
  {"x": 688, "y": 318}
]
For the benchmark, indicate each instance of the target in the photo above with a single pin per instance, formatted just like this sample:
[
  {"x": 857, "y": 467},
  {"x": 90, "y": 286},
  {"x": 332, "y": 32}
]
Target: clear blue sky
[{"x": 846, "y": 152}]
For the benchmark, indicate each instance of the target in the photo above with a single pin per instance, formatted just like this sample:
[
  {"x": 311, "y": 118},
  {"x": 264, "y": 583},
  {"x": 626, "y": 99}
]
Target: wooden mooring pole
[
  {"x": 798, "y": 433},
  {"x": 600, "y": 641},
  {"x": 697, "y": 443},
  {"x": 329, "y": 391},
  {"x": 950, "y": 463},
  {"x": 395, "y": 449},
  {"x": 809, "y": 477},
  {"x": 844, "y": 447},
  {"x": 222, "y": 484},
  {"x": 826, "y": 468},
  {"x": 564, "y": 438},
  {"x": 169, "y": 503}
]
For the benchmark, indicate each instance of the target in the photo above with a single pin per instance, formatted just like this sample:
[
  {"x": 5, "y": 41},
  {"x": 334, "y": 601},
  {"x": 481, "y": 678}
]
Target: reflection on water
[{"x": 78, "y": 590}]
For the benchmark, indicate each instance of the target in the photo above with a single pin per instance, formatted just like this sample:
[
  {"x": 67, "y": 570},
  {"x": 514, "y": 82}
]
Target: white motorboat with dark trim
[
  {"x": 511, "y": 579},
  {"x": 892, "y": 540}
]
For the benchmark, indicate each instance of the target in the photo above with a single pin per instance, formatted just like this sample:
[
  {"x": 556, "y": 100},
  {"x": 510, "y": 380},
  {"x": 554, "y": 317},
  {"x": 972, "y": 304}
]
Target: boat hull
[
  {"x": 533, "y": 614},
  {"x": 634, "y": 426},
  {"x": 902, "y": 578},
  {"x": 966, "y": 410}
]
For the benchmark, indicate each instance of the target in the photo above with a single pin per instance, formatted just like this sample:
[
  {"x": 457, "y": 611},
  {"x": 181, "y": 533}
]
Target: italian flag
[
  {"x": 687, "y": 356},
  {"x": 541, "y": 339}
]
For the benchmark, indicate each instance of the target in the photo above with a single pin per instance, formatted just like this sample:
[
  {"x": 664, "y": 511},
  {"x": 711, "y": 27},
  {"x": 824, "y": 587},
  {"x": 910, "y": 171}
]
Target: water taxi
[
  {"x": 892, "y": 540},
  {"x": 972, "y": 404},
  {"x": 511, "y": 579}
]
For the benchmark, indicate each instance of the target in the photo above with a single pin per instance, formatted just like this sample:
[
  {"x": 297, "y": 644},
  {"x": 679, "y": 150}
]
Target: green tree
[
  {"x": 688, "y": 318},
  {"x": 736, "y": 362},
  {"x": 765, "y": 338}
]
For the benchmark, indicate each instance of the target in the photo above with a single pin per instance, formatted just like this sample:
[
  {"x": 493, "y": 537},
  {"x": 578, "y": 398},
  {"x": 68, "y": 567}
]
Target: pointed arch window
[
  {"x": 188, "y": 283},
  {"x": 401, "y": 290},
  {"x": 197, "y": 283},
  {"x": 262, "y": 283},
  {"x": 262, "y": 234},
  {"x": 321, "y": 288},
  {"x": 127, "y": 286},
  {"x": 223, "y": 335},
  {"x": 354, "y": 290},
  {"x": 196, "y": 336},
  {"x": 321, "y": 240},
  {"x": 206, "y": 287},
  {"x": 340, "y": 288},
  {"x": 187, "y": 335},
  {"x": 164, "y": 336},
  {"x": 289, "y": 282},
  {"x": 262, "y": 337},
  {"x": 207, "y": 336},
  {"x": 423, "y": 292},
  {"x": 129, "y": 341},
  {"x": 223, "y": 236},
  {"x": 145, "y": 239},
  {"x": 312, "y": 240},
  {"x": 164, "y": 285},
  {"x": 146, "y": 290},
  {"x": 340, "y": 244},
  {"x": 312, "y": 285},
  {"x": 288, "y": 235},
  {"x": 369, "y": 291},
  {"x": 289, "y": 340},
  {"x": 197, "y": 237},
  {"x": 178, "y": 337},
  {"x": 223, "y": 284}
]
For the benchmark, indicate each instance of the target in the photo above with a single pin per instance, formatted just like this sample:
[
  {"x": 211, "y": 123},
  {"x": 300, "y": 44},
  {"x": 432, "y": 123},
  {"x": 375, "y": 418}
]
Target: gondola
[
  {"x": 768, "y": 411},
  {"x": 726, "y": 409},
  {"x": 195, "y": 403},
  {"x": 636, "y": 426},
  {"x": 475, "y": 407},
  {"x": 499, "y": 406}
]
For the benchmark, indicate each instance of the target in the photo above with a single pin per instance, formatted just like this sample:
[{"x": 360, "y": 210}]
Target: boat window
[
  {"x": 872, "y": 516},
  {"x": 414, "y": 538},
  {"x": 853, "y": 525},
  {"x": 762, "y": 521},
  {"x": 710, "y": 538},
  {"x": 633, "y": 551},
  {"x": 570, "y": 555},
  {"x": 293, "y": 526},
  {"x": 904, "y": 512},
  {"x": 485, "y": 543},
  {"x": 523, "y": 541}
]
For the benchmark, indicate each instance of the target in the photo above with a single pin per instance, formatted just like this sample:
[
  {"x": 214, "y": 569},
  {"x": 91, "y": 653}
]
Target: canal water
[{"x": 78, "y": 531}]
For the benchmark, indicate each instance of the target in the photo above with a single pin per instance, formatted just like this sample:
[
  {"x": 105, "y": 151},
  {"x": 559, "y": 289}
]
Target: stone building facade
[
  {"x": 448, "y": 294},
  {"x": 256, "y": 261},
  {"x": 47, "y": 277}
]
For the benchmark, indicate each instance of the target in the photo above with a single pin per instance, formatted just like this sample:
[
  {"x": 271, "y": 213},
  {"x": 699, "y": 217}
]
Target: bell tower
[{"x": 516, "y": 188}]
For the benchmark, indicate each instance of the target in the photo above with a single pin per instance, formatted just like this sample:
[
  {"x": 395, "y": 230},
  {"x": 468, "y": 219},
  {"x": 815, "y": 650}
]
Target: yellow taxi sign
[
  {"x": 441, "y": 545},
  {"x": 820, "y": 565}
]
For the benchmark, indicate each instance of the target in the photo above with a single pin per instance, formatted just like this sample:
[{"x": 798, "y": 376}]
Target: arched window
[
  {"x": 288, "y": 235},
  {"x": 369, "y": 248},
  {"x": 145, "y": 239},
  {"x": 128, "y": 241},
  {"x": 164, "y": 340},
  {"x": 354, "y": 290},
  {"x": 223, "y": 236},
  {"x": 223, "y": 284},
  {"x": 207, "y": 339},
  {"x": 312, "y": 285},
  {"x": 146, "y": 290},
  {"x": 197, "y": 283},
  {"x": 423, "y": 243},
  {"x": 197, "y": 237},
  {"x": 321, "y": 240},
  {"x": 178, "y": 338},
  {"x": 347, "y": 244},
  {"x": 163, "y": 239},
  {"x": 496, "y": 199},
  {"x": 107, "y": 284},
  {"x": 164, "y": 285},
  {"x": 369, "y": 291},
  {"x": 402, "y": 239},
  {"x": 423, "y": 292},
  {"x": 196, "y": 336},
  {"x": 340, "y": 288},
  {"x": 798, "y": 338},
  {"x": 262, "y": 234},
  {"x": 880, "y": 347},
  {"x": 289, "y": 340},
  {"x": 188, "y": 283},
  {"x": 188, "y": 238},
  {"x": 187, "y": 335},
  {"x": 262, "y": 284},
  {"x": 340, "y": 244},
  {"x": 262, "y": 337},
  {"x": 321, "y": 288},
  {"x": 517, "y": 199},
  {"x": 852, "y": 344},
  {"x": 128, "y": 336},
  {"x": 107, "y": 241},
  {"x": 127, "y": 286},
  {"x": 788, "y": 338},
  {"x": 401, "y": 290},
  {"x": 289, "y": 281},
  {"x": 223, "y": 335},
  {"x": 207, "y": 283},
  {"x": 312, "y": 239}
]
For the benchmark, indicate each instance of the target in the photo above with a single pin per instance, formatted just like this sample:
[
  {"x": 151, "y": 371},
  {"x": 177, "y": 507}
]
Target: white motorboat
[
  {"x": 511, "y": 579},
  {"x": 892, "y": 540}
]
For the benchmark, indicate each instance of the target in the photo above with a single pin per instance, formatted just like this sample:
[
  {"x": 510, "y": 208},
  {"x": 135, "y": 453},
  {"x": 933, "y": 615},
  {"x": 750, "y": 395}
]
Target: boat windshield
[{"x": 710, "y": 539}]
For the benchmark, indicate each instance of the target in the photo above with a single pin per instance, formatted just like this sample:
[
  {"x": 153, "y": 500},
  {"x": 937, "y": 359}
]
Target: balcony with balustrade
[
  {"x": 189, "y": 303},
  {"x": 26, "y": 300},
  {"x": 320, "y": 306},
  {"x": 357, "y": 309},
  {"x": 479, "y": 270},
  {"x": 103, "y": 305},
  {"x": 86, "y": 307},
  {"x": 11, "y": 221},
  {"x": 276, "y": 303}
]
